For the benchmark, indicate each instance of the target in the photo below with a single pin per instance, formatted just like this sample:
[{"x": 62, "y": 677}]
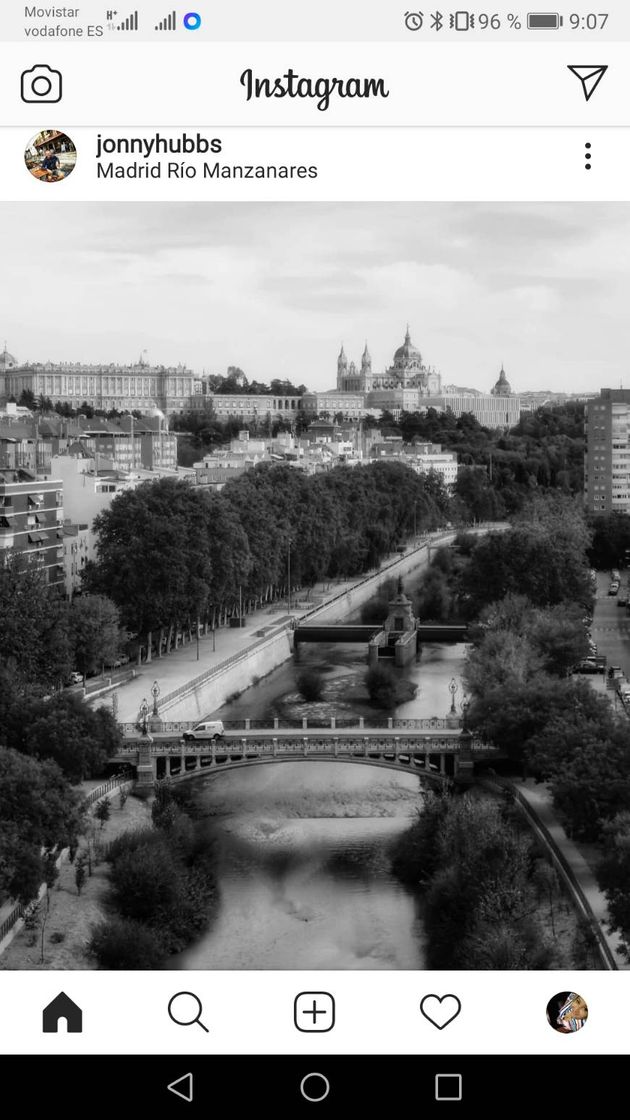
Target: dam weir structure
[{"x": 396, "y": 640}]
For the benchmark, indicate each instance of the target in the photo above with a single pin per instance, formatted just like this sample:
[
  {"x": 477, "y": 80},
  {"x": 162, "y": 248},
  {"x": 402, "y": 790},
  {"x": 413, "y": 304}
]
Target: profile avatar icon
[
  {"x": 50, "y": 156},
  {"x": 567, "y": 1012}
]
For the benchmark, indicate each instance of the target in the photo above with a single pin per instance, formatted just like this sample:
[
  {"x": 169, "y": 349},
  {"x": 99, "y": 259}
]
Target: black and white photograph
[{"x": 314, "y": 586}]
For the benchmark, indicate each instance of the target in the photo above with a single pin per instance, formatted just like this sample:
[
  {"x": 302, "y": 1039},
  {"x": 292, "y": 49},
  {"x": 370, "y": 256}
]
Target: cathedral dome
[
  {"x": 7, "y": 361},
  {"x": 502, "y": 387},
  {"x": 407, "y": 352}
]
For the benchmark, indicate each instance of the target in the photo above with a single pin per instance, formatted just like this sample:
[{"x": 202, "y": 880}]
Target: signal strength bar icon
[
  {"x": 169, "y": 23},
  {"x": 129, "y": 24}
]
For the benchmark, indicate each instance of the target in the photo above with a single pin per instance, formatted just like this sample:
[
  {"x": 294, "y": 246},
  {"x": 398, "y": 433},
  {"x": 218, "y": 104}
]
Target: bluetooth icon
[{"x": 437, "y": 21}]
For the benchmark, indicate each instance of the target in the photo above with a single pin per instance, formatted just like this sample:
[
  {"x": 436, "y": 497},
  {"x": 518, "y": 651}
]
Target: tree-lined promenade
[{"x": 173, "y": 557}]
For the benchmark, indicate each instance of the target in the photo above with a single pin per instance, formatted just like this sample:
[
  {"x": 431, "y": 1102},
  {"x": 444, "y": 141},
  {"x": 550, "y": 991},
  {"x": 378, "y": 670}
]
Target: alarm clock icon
[{"x": 413, "y": 21}]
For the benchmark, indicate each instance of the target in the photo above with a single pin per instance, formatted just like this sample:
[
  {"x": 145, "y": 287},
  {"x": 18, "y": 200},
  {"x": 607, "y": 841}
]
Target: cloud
[{"x": 276, "y": 287}]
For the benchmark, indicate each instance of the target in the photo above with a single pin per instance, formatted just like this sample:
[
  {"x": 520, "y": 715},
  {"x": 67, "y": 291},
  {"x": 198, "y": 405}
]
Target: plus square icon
[{"x": 314, "y": 1011}]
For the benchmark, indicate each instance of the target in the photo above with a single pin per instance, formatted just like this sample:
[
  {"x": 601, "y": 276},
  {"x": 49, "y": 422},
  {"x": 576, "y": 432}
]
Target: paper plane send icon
[
  {"x": 183, "y": 1087},
  {"x": 590, "y": 77}
]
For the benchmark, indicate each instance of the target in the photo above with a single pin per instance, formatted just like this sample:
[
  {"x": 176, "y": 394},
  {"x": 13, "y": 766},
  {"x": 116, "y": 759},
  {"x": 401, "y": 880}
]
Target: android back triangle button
[{"x": 590, "y": 77}]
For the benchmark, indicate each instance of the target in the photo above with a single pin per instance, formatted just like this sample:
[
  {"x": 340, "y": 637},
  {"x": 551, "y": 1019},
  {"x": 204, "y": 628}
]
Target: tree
[
  {"x": 511, "y": 713},
  {"x": 103, "y": 811},
  {"x": 611, "y": 539},
  {"x": 382, "y": 686},
  {"x": 80, "y": 872},
  {"x": 78, "y": 738},
  {"x": 33, "y": 624},
  {"x": 27, "y": 399},
  {"x": 476, "y": 881},
  {"x": 311, "y": 684},
  {"x": 547, "y": 565},
  {"x": 39, "y": 810},
  {"x": 121, "y": 943},
  {"x": 146, "y": 882},
  {"x": 554, "y": 638},
  {"x": 614, "y": 874},
  {"x": 95, "y": 632}
]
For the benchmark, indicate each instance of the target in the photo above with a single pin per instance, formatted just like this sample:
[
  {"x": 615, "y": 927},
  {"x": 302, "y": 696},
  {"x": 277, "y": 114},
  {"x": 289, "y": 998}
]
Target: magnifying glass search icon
[{"x": 185, "y": 1009}]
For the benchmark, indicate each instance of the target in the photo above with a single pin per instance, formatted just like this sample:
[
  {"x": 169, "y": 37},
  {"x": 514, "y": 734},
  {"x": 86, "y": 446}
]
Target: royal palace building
[{"x": 139, "y": 386}]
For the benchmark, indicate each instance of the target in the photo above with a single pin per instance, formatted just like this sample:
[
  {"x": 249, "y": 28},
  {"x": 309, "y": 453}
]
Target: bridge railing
[
  {"x": 106, "y": 787},
  {"x": 314, "y": 744},
  {"x": 335, "y": 723}
]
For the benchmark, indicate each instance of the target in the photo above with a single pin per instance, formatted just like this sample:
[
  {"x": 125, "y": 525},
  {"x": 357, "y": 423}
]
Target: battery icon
[{"x": 544, "y": 21}]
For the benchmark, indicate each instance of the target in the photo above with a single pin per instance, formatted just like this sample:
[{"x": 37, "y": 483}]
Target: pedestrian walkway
[{"x": 539, "y": 799}]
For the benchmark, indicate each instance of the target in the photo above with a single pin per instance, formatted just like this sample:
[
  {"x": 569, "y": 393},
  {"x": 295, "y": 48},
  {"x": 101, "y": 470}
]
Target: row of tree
[{"x": 172, "y": 556}]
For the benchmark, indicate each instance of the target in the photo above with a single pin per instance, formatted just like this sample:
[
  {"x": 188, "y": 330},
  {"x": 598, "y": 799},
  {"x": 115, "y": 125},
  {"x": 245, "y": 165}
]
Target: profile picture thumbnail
[
  {"x": 567, "y": 1012},
  {"x": 50, "y": 156}
]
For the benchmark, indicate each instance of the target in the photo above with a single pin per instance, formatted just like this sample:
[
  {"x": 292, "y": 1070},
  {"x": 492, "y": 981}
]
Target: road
[{"x": 611, "y": 624}]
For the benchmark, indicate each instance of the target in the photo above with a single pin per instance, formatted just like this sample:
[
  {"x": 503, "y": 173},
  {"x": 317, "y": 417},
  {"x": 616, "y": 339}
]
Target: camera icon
[{"x": 41, "y": 85}]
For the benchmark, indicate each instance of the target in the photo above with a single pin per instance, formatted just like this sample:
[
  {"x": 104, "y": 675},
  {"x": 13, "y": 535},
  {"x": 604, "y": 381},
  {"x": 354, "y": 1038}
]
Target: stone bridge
[{"x": 436, "y": 750}]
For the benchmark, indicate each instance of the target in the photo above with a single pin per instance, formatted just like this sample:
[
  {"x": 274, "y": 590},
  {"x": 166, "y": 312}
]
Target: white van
[{"x": 212, "y": 730}]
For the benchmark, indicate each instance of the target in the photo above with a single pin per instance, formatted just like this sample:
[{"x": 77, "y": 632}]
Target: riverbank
[
  {"x": 492, "y": 899},
  {"x": 72, "y": 917}
]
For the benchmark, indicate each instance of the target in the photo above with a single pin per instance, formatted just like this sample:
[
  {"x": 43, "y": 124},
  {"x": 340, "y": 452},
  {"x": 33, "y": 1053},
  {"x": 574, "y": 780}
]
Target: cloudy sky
[{"x": 275, "y": 288}]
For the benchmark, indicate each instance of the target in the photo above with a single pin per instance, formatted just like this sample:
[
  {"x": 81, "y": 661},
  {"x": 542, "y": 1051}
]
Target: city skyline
[{"x": 277, "y": 288}]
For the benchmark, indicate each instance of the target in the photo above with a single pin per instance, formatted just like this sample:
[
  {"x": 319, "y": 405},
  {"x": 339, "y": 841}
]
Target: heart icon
[{"x": 440, "y": 1010}]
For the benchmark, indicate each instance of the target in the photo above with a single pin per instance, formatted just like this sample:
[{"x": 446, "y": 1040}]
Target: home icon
[{"x": 62, "y": 1007}]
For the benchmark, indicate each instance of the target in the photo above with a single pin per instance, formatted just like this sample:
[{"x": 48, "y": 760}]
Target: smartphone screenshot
[{"x": 314, "y": 549}]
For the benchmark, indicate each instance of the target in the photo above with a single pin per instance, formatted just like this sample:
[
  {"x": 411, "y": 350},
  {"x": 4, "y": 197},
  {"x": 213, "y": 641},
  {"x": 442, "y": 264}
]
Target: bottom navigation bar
[{"x": 332, "y": 1082}]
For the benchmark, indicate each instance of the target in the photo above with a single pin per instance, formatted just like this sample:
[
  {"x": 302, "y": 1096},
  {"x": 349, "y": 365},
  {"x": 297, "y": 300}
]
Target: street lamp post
[
  {"x": 453, "y": 689},
  {"x": 289, "y": 572},
  {"x": 144, "y": 715}
]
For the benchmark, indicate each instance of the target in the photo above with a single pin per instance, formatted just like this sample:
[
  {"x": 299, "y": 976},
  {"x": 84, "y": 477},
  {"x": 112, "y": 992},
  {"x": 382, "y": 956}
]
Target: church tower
[
  {"x": 366, "y": 370},
  {"x": 342, "y": 368}
]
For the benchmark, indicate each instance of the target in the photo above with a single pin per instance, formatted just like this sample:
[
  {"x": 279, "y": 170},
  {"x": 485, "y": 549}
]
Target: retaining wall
[{"x": 210, "y": 691}]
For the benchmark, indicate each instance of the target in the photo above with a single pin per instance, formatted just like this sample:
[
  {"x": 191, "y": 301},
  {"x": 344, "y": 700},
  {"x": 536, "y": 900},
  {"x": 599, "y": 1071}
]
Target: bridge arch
[{"x": 434, "y": 777}]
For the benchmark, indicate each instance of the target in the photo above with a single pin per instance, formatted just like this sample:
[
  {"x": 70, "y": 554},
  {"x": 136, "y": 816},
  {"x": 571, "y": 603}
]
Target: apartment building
[
  {"x": 31, "y": 520},
  {"x": 607, "y": 457}
]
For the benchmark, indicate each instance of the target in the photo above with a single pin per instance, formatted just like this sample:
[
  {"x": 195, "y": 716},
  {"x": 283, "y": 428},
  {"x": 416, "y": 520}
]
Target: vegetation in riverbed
[
  {"x": 163, "y": 889},
  {"x": 386, "y": 688},
  {"x": 490, "y": 900},
  {"x": 311, "y": 684}
]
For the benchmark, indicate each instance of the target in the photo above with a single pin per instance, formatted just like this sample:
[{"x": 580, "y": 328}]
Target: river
[{"x": 302, "y": 848}]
